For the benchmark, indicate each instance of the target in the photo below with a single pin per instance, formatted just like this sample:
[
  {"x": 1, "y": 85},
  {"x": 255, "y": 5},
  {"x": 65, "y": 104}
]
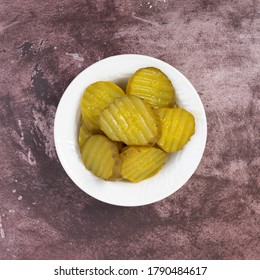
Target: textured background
[{"x": 44, "y": 45}]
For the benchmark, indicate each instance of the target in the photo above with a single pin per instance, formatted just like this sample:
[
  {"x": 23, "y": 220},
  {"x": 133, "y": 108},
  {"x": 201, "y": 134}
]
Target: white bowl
[{"x": 179, "y": 167}]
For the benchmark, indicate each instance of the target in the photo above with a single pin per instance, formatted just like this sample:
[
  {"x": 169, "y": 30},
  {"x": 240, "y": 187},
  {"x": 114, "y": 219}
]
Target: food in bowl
[
  {"x": 177, "y": 127},
  {"x": 153, "y": 86},
  {"x": 95, "y": 99},
  {"x": 130, "y": 120},
  {"x": 101, "y": 156},
  {"x": 146, "y": 121},
  {"x": 141, "y": 162}
]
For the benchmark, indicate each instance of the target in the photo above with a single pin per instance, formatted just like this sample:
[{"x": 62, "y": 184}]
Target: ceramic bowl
[{"x": 179, "y": 167}]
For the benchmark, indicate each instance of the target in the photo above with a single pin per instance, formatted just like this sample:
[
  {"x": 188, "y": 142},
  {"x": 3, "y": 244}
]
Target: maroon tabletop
[{"x": 44, "y": 45}]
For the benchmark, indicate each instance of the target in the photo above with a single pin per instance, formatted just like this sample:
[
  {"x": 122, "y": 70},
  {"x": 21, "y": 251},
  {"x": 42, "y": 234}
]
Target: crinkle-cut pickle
[
  {"x": 153, "y": 86},
  {"x": 130, "y": 120},
  {"x": 95, "y": 99},
  {"x": 84, "y": 134},
  {"x": 177, "y": 127},
  {"x": 140, "y": 127},
  {"x": 100, "y": 156},
  {"x": 141, "y": 162}
]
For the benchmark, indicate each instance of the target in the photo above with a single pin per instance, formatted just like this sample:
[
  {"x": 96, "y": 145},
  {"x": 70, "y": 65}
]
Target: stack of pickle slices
[{"x": 128, "y": 135}]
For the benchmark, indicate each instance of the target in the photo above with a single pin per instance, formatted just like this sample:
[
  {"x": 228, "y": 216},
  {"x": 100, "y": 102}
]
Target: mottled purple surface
[{"x": 44, "y": 45}]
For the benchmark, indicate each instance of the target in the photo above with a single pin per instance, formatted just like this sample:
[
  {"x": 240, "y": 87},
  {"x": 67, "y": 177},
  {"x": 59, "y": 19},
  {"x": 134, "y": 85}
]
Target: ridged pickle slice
[
  {"x": 152, "y": 85},
  {"x": 177, "y": 127},
  {"x": 140, "y": 162},
  {"x": 84, "y": 134},
  {"x": 100, "y": 156},
  {"x": 95, "y": 99},
  {"x": 130, "y": 120}
]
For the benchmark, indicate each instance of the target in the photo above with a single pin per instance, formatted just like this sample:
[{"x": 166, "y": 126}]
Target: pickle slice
[
  {"x": 177, "y": 127},
  {"x": 100, "y": 156},
  {"x": 140, "y": 162},
  {"x": 130, "y": 120},
  {"x": 83, "y": 136},
  {"x": 95, "y": 99},
  {"x": 153, "y": 86}
]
